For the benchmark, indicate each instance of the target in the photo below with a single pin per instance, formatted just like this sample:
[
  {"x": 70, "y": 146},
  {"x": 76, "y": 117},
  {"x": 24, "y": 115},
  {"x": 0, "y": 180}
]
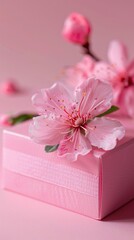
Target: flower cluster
[
  {"x": 72, "y": 113},
  {"x": 118, "y": 71}
]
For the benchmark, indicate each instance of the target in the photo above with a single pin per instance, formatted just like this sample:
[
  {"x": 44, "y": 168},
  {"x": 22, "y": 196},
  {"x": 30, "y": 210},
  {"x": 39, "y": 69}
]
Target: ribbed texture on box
[
  {"x": 45, "y": 170},
  {"x": 51, "y": 193}
]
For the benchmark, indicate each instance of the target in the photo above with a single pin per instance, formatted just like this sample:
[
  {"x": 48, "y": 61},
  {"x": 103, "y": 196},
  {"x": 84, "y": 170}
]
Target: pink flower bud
[
  {"x": 9, "y": 87},
  {"x": 76, "y": 29},
  {"x": 5, "y": 120}
]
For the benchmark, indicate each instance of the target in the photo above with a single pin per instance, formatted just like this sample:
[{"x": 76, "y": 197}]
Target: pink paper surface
[{"x": 118, "y": 177}]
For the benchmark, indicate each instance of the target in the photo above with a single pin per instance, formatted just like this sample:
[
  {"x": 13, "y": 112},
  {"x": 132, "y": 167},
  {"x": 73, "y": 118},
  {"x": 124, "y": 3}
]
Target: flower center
[
  {"x": 78, "y": 122},
  {"x": 127, "y": 81}
]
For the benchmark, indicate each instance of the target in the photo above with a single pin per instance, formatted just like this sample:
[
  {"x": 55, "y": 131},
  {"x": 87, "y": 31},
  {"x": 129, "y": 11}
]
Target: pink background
[{"x": 33, "y": 52}]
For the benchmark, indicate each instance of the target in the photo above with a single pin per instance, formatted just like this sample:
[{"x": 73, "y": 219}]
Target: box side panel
[
  {"x": 45, "y": 170},
  {"x": 118, "y": 178},
  {"x": 51, "y": 193}
]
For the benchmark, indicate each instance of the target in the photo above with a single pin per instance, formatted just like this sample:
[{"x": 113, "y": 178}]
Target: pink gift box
[{"x": 90, "y": 186}]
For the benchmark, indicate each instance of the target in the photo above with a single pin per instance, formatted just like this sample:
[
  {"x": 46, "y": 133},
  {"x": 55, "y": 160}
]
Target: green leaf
[
  {"x": 22, "y": 118},
  {"x": 49, "y": 148},
  {"x": 110, "y": 110}
]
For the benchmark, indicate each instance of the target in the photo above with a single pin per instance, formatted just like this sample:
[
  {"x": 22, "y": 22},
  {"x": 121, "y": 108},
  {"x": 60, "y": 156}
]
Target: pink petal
[
  {"x": 52, "y": 100},
  {"x": 130, "y": 69},
  {"x": 98, "y": 153},
  {"x": 73, "y": 76},
  {"x": 106, "y": 72},
  {"x": 129, "y": 101},
  {"x": 104, "y": 133},
  {"x": 47, "y": 130},
  {"x": 117, "y": 92},
  {"x": 118, "y": 55},
  {"x": 86, "y": 65},
  {"x": 126, "y": 101},
  {"x": 72, "y": 147},
  {"x": 95, "y": 97}
]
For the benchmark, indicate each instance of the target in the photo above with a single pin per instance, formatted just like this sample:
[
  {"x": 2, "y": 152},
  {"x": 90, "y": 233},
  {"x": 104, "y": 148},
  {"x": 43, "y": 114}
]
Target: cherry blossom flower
[
  {"x": 68, "y": 119},
  {"x": 120, "y": 73},
  {"x": 76, "y": 29}
]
